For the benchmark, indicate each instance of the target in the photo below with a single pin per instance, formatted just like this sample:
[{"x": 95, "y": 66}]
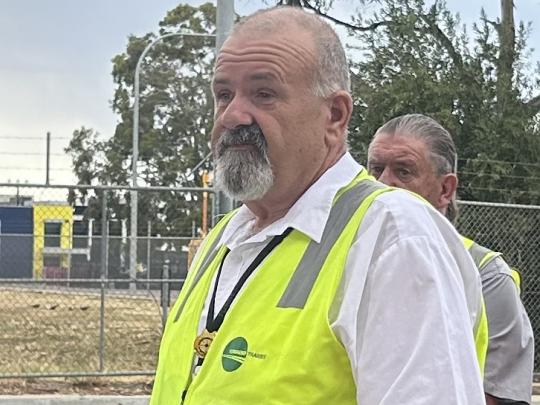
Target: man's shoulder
[
  {"x": 496, "y": 268},
  {"x": 495, "y": 265},
  {"x": 408, "y": 213},
  {"x": 397, "y": 198},
  {"x": 396, "y": 216}
]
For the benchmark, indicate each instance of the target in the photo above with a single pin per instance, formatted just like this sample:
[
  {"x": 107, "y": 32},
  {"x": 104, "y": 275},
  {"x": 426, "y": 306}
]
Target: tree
[
  {"x": 417, "y": 58},
  {"x": 175, "y": 122},
  {"x": 410, "y": 58},
  {"x": 87, "y": 153}
]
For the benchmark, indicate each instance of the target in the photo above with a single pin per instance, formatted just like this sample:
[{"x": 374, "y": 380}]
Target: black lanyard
[{"x": 213, "y": 324}]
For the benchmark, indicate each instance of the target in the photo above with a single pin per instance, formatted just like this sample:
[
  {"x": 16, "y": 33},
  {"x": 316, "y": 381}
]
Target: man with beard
[
  {"x": 416, "y": 153},
  {"x": 325, "y": 287}
]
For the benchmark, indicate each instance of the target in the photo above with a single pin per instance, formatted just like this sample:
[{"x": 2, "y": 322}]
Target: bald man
[{"x": 324, "y": 287}]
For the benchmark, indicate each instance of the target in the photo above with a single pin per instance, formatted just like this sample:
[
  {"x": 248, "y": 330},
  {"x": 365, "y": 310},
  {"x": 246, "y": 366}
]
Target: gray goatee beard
[{"x": 243, "y": 174}]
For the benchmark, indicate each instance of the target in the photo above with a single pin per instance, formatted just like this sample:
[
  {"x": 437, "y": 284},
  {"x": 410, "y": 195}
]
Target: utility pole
[
  {"x": 48, "y": 158},
  {"x": 224, "y": 23}
]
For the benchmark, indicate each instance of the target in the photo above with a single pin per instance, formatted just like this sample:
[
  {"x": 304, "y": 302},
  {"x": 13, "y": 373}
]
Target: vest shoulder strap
[
  {"x": 481, "y": 255},
  {"x": 363, "y": 192},
  {"x": 207, "y": 256}
]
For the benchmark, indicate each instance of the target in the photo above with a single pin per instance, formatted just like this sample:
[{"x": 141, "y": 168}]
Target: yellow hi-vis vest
[
  {"x": 482, "y": 256},
  {"x": 275, "y": 345}
]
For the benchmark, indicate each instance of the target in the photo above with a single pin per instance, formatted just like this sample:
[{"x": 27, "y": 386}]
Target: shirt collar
[{"x": 308, "y": 215}]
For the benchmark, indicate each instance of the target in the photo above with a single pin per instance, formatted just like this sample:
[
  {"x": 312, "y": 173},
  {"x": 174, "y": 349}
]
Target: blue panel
[
  {"x": 16, "y": 242},
  {"x": 16, "y": 220}
]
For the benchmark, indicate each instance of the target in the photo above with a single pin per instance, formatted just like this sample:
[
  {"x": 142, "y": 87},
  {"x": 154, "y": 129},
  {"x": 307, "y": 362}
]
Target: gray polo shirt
[{"x": 510, "y": 356}]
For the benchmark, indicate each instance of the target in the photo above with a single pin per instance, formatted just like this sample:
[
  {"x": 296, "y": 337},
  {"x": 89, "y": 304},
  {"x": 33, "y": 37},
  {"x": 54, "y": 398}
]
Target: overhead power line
[
  {"x": 31, "y": 154},
  {"x": 500, "y": 161},
  {"x": 510, "y": 176},
  {"x": 33, "y": 138},
  {"x": 33, "y": 168},
  {"x": 505, "y": 190}
]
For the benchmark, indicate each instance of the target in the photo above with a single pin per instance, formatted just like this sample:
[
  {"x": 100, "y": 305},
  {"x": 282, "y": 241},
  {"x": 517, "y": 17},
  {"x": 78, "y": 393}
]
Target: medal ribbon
[{"x": 213, "y": 324}]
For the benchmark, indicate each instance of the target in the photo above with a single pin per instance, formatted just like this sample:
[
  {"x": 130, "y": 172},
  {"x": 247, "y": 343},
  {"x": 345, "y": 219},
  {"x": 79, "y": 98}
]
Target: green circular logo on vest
[{"x": 234, "y": 354}]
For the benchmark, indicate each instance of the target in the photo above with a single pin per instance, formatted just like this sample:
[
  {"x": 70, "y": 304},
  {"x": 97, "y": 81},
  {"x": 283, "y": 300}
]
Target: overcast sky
[{"x": 55, "y": 69}]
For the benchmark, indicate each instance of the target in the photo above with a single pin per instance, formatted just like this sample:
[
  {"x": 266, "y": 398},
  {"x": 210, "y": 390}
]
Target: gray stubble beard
[{"x": 243, "y": 174}]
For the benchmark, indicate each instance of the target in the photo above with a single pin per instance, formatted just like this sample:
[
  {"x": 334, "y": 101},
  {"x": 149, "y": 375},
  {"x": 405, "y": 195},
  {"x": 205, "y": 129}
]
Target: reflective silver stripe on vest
[
  {"x": 214, "y": 249},
  {"x": 477, "y": 253},
  {"x": 303, "y": 279}
]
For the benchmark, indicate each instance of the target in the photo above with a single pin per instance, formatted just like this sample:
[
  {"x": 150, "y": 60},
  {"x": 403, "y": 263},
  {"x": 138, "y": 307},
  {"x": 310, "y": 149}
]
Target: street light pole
[
  {"x": 224, "y": 24},
  {"x": 135, "y": 140}
]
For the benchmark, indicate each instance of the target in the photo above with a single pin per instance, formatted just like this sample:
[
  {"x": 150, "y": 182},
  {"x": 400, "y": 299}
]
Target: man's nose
[{"x": 237, "y": 113}]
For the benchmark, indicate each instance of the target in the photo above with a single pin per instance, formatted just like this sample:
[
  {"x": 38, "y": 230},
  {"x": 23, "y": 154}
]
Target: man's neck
[
  {"x": 268, "y": 211},
  {"x": 274, "y": 206}
]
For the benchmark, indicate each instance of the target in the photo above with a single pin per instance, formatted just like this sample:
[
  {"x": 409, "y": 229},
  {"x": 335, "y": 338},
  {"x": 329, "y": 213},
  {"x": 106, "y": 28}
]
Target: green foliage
[
  {"x": 412, "y": 58},
  {"x": 420, "y": 60},
  {"x": 174, "y": 125}
]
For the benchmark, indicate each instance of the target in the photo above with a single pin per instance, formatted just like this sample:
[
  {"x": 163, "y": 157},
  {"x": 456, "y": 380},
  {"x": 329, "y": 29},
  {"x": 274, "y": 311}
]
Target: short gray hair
[
  {"x": 332, "y": 71},
  {"x": 438, "y": 140}
]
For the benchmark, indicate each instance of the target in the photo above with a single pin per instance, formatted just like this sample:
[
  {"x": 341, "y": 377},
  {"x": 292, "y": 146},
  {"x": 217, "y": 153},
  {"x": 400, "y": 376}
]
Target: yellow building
[{"x": 53, "y": 225}]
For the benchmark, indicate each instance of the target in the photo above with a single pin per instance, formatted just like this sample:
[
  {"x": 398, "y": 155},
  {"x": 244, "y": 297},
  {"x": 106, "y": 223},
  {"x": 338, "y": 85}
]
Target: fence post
[
  {"x": 148, "y": 253},
  {"x": 165, "y": 292},
  {"x": 104, "y": 251}
]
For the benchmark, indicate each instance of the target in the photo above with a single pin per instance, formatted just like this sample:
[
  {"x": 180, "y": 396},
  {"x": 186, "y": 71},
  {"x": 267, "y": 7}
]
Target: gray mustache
[{"x": 245, "y": 134}]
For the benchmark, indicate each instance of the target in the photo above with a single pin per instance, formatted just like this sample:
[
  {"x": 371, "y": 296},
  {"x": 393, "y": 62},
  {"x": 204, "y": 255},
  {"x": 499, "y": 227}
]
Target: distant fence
[
  {"x": 83, "y": 232},
  {"x": 71, "y": 307},
  {"x": 513, "y": 230}
]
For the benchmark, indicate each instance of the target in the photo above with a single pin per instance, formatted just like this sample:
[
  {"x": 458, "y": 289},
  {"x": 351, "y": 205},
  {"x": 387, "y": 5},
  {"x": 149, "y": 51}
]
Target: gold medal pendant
[{"x": 202, "y": 343}]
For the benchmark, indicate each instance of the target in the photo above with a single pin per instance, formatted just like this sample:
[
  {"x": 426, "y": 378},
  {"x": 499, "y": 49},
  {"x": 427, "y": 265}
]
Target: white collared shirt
[{"x": 408, "y": 298}]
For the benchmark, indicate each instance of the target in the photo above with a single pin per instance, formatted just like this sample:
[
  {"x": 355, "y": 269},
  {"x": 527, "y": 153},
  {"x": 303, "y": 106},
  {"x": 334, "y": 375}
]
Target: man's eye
[
  {"x": 375, "y": 171},
  {"x": 223, "y": 96},
  {"x": 265, "y": 95},
  {"x": 404, "y": 173}
]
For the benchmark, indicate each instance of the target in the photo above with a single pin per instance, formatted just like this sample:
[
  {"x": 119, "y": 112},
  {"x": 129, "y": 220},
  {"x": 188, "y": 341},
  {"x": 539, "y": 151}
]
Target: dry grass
[{"x": 55, "y": 331}]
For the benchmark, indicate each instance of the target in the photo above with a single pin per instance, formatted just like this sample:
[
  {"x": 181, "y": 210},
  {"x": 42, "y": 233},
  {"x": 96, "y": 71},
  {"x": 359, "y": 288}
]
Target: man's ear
[
  {"x": 340, "y": 104},
  {"x": 449, "y": 184}
]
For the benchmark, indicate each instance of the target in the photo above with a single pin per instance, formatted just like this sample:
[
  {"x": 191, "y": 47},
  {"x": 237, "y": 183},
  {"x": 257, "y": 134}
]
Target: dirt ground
[
  {"x": 98, "y": 386},
  {"x": 59, "y": 332},
  {"x": 81, "y": 386}
]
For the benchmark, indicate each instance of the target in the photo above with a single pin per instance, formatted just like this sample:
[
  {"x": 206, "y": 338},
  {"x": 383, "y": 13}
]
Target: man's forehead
[
  {"x": 393, "y": 158},
  {"x": 254, "y": 76},
  {"x": 299, "y": 45},
  {"x": 396, "y": 148},
  {"x": 278, "y": 56}
]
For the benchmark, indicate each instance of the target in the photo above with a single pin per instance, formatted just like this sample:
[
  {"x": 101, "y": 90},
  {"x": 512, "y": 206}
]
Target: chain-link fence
[
  {"x": 73, "y": 306},
  {"x": 513, "y": 230},
  {"x": 57, "y": 232},
  {"x": 78, "y": 328}
]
